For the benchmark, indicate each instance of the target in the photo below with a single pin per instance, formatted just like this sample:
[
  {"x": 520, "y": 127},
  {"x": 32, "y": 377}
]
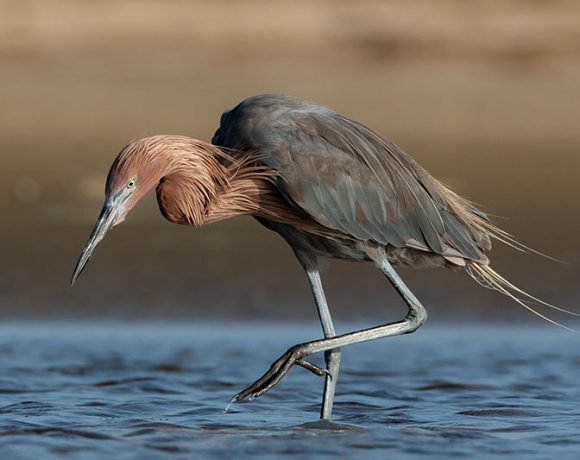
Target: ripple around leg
[{"x": 327, "y": 425}]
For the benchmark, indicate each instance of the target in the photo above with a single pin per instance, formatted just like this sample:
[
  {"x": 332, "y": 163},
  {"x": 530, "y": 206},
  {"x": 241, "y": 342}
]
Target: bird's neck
[{"x": 205, "y": 189}]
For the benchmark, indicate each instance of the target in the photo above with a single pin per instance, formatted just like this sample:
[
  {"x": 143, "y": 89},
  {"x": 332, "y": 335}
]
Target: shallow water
[{"x": 157, "y": 390}]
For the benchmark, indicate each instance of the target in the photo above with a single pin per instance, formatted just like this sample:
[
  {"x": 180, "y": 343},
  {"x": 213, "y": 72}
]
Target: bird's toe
[{"x": 277, "y": 371}]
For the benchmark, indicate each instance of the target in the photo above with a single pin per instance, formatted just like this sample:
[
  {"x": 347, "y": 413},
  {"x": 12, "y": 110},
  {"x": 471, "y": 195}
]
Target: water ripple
[{"x": 152, "y": 391}]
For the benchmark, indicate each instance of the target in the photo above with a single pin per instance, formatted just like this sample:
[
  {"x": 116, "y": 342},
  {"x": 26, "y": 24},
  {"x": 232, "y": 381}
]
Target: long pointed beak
[{"x": 105, "y": 221}]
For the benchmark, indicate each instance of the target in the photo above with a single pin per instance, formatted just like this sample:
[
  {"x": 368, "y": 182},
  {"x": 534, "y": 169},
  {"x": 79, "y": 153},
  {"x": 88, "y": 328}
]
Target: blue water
[{"x": 150, "y": 390}]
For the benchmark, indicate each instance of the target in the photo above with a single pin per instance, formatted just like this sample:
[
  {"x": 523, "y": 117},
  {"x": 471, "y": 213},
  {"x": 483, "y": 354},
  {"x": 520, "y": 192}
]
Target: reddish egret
[{"x": 331, "y": 187}]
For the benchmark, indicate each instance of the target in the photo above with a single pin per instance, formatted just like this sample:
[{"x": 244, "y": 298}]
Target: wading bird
[{"x": 331, "y": 187}]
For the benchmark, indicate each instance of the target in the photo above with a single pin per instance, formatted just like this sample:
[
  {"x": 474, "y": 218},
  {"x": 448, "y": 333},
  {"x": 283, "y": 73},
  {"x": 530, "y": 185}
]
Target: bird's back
[{"x": 354, "y": 181}]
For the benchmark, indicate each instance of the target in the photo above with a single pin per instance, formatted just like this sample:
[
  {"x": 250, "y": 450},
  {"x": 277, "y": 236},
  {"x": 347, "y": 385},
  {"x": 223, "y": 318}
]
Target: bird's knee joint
[
  {"x": 415, "y": 319},
  {"x": 298, "y": 351}
]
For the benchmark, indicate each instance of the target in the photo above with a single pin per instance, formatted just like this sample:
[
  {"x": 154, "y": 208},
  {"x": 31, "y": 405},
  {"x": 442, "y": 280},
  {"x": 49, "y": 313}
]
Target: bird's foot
[
  {"x": 316, "y": 370},
  {"x": 277, "y": 371}
]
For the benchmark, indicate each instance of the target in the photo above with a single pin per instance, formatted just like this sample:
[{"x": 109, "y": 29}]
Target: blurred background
[{"x": 485, "y": 94}]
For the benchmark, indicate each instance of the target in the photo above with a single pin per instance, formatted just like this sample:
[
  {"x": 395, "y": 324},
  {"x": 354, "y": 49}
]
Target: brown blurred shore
[{"x": 484, "y": 94}]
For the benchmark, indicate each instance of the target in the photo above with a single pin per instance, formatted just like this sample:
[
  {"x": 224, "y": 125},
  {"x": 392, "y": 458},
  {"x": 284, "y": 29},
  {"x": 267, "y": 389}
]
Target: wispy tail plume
[{"x": 489, "y": 278}]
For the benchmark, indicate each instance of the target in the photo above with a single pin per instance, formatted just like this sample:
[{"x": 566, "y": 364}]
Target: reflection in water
[{"x": 129, "y": 391}]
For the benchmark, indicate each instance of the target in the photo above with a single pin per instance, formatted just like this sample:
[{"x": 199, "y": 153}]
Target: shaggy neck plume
[{"x": 197, "y": 183}]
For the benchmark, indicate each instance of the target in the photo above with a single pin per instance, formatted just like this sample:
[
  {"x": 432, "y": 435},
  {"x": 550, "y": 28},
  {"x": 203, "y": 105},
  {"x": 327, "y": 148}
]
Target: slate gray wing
[{"x": 348, "y": 178}]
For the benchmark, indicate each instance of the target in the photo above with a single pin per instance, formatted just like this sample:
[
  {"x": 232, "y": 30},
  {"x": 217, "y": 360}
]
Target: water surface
[{"x": 84, "y": 391}]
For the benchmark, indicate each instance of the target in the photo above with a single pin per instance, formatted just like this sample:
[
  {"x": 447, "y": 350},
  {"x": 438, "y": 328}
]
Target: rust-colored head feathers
[
  {"x": 144, "y": 163},
  {"x": 196, "y": 183}
]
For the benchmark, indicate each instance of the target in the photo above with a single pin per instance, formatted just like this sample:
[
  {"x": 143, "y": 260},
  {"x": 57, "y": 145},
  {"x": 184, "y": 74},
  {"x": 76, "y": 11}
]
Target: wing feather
[{"x": 349, "y": 178}]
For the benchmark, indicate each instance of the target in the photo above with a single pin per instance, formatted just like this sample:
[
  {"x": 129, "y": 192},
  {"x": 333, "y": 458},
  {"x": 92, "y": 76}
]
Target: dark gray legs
[
  {"x": 331, "y": 344},
  {"x": 332, "y": 356}
]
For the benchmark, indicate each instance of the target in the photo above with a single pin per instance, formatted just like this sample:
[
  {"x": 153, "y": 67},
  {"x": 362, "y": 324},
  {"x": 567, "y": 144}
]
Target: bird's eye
[{"x": 131, "y": 183}]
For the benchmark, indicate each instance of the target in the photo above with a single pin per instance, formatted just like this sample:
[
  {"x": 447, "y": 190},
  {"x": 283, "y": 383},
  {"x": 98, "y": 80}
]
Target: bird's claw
[
  {"x": 277, "y": 371},
  {"x": 316, "y": 370}
]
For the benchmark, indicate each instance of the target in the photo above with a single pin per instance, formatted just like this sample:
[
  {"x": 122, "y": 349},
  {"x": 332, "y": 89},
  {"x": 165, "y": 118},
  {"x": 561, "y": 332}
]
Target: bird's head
[{"x": 135, "y": 171}]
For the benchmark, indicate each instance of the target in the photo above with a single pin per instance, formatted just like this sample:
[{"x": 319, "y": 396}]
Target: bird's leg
[
  {"x": 416, "y": 316},
  {"x": 332, "y": 357}
]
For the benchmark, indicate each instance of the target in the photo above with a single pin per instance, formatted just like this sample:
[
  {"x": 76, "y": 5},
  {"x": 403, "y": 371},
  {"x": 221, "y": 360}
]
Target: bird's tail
[
  {"x": 481, "y": 272},
  {"x": 489, "y": 278}
]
